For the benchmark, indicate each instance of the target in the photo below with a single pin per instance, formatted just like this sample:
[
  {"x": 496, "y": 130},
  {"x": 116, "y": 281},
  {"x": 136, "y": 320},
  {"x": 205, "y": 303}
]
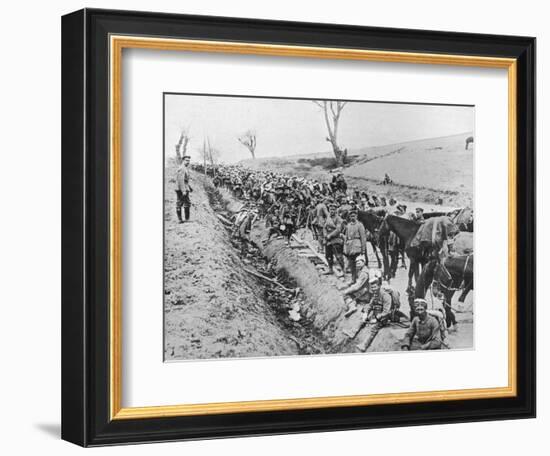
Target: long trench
[
  {"x": 281, "y": 292},
  {"x": 323, "y": 326}
]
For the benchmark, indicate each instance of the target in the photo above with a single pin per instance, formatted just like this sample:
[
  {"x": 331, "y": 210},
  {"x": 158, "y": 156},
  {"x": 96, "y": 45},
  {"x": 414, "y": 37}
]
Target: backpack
[
  {"x": 440, "y": 317},
  {"x": 395, "y": 297}
]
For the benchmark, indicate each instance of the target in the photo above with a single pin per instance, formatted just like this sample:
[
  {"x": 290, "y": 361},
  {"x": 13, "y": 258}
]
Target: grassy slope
[
  {"x": 439, "y": 163},
  {"x": 422, "y": 170}
]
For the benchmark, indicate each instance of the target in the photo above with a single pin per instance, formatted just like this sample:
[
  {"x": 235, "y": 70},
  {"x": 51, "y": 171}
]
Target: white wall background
[{"x": 30, "y": 190}]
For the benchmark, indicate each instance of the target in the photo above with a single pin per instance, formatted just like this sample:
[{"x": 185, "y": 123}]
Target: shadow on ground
[{"x": 51, "y": 429}]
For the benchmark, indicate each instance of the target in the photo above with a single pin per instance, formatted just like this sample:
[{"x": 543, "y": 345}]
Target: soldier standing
[
  {"x": 320, "y": 217},
  {"x": 393, "y": 252},
  {"x": 183, "y": 189},
  {"x": 333, "y": 239},
  {"x": 355, "y": 242},
  {"x": 418, "y": 216}
]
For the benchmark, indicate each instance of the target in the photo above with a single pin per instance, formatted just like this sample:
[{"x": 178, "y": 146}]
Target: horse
[
  {"x": 406, "y": 231},
  {"x": 464, "y": 218},
  {"x": 371, "y": 220},
  {"x": 462, "y": 243},
  {"x": 453, "y": 274}
]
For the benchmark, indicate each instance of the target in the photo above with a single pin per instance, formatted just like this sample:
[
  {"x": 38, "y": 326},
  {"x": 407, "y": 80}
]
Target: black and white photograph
[{"x": 316, "y": 227}]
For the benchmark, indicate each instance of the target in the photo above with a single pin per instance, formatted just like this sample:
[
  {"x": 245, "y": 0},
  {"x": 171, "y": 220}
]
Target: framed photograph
[{"x": 269, "y": 227}]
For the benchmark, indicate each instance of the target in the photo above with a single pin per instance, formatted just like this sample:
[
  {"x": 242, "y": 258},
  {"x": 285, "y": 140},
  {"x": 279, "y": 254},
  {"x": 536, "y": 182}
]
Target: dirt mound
[
  {"x": 324, "y": 302},
  {"x": 212, "y": 307}
]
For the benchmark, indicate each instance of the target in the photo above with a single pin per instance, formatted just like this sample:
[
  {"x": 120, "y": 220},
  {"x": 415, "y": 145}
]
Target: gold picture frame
[{"x": 117, "y": 45}]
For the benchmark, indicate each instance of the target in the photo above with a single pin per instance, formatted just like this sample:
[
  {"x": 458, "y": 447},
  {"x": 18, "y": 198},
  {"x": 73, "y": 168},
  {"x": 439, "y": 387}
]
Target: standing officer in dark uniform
[{"x": 183, "y": 189}]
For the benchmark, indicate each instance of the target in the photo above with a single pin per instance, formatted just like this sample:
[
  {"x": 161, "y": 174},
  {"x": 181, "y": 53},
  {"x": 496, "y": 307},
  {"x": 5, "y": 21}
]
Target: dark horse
[
  {"x": 371, "y": 221},
  {"x": 405, "y": 230},
  {"x": 454, "y": 274}
]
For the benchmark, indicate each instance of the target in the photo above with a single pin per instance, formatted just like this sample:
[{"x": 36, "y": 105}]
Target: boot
[
  {"x": 187, "y": 211},
  {"x": 178, "y": 212}
]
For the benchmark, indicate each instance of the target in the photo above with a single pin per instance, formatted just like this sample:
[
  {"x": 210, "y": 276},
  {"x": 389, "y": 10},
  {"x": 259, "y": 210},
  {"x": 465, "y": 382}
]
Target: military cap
[
  {"x": 360, "y": 258},
  {"x": 421, "y": 302}
]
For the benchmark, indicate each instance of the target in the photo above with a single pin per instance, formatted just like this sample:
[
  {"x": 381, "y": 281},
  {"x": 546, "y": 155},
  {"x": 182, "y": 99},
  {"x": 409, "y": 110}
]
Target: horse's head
[{"x": 370, "y": 221}]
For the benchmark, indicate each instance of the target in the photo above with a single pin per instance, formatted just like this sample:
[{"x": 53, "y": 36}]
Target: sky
[{"x": 294, "y": 127}]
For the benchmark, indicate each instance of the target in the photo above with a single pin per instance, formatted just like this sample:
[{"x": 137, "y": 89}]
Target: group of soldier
[
  {"x": 380, "y": 305},
  {"x": 330, "y": 210}
]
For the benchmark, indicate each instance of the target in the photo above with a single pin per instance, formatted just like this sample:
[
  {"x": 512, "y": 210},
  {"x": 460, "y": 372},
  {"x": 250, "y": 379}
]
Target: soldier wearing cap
[
  {"x": 418, "y": 216},
  {"x": 183, "y": 189},
  {"x": 379, "y": 310},
  {"x": 360, "y": 290},
  {"x": 341, "y": 184},
  {"x": 321, "y": 214},
  {"x": 424, "y": 328},
  {"x": 287, "y": 216},
  {"x": 355, "y": 242},
  {"x": 332, "y": 232}
]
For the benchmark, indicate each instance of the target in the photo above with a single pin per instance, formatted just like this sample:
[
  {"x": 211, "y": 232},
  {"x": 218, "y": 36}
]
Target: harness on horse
[{"x": 448, "y": 274}]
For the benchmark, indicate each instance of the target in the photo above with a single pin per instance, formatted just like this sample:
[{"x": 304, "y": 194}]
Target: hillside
[
  {"x": 422, "y": 170},
  {"x": 438, "y": 163}
]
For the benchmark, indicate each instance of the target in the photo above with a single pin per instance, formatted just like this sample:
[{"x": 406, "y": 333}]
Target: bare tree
[
  {"x": 181, "y": 146},
  {"x": 248, "y": 139},
  {"x": 332, "y": 111}
]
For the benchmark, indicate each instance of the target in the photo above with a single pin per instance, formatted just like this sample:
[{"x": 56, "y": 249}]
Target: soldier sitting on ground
[
  {"x": 358, "y": 291},
  {"x": 396, "y": 313},
  {"x": 425, "y": 330},
  {"x": 378, "y": 311}
]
